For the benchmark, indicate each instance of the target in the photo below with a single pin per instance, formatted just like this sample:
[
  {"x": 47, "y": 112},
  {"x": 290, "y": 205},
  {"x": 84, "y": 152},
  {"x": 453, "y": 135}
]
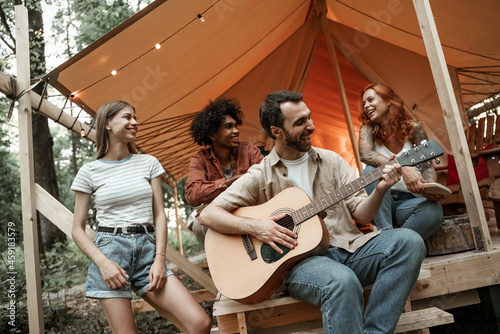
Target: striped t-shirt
[{"x": 121, "y": 189}]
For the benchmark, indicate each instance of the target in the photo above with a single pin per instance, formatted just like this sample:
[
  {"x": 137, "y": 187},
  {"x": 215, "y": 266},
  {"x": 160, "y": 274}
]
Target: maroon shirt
[{"x": 206, "y": 178}]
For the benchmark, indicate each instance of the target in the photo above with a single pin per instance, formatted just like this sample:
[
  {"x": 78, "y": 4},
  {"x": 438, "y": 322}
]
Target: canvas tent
[{"x": 246, "y": 49}]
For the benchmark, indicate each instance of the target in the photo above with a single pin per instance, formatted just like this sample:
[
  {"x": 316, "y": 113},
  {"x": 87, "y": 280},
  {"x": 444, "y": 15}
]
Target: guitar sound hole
[{"x": 268, "y": 254}]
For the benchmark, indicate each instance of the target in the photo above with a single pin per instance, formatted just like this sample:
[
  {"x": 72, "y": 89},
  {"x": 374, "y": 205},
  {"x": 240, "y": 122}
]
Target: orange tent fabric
[{"x": 247, "y": 49}]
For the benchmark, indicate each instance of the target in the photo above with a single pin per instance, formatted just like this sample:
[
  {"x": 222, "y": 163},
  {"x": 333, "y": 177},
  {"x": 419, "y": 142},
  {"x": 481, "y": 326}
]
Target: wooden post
[
  {"x": 178, "y": 227},
  {"x": 453, "y": 122},
  {"x": 30, "y": 231},
  {"x": 340, "y": 84}
]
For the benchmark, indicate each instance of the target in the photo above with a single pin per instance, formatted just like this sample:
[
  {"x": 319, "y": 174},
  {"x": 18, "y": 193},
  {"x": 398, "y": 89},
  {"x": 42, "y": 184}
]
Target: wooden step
[
  {"x": 424, "y": 318},
  {"x": 410, "y": 321}
]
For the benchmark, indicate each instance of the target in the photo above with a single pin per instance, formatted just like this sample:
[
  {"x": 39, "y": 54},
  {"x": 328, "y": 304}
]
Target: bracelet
[{"x": 160, "y": 255}]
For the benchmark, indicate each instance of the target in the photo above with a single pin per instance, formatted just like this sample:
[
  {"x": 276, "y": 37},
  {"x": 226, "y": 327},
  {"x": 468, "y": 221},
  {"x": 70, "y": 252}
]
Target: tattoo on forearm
[{"x": 368, "y": 155}]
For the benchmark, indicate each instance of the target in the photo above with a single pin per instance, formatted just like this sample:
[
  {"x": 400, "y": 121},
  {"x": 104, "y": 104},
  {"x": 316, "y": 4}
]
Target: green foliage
[
  {"x": 190, "y": 245},
  {"x": 10, "y": 194},
  {"x": 103, "y": 15},
  {"x": 63, "y": 158},
  {"x": 62, "y": 267}
]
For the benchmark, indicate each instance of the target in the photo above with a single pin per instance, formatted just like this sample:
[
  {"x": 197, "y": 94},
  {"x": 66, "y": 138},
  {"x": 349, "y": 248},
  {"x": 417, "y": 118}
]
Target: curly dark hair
[{"x": 207, "y": 122}]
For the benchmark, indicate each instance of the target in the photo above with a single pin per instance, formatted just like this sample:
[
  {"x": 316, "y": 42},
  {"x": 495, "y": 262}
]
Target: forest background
[{"x": 58, "y": 30}]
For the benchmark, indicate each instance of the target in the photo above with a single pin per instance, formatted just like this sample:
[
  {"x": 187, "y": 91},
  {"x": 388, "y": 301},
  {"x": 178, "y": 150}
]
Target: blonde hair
[{"x": 106, "y": 113}]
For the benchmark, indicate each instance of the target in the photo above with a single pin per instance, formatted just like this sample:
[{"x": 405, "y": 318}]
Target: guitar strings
[{"x": 287, "y": 222}]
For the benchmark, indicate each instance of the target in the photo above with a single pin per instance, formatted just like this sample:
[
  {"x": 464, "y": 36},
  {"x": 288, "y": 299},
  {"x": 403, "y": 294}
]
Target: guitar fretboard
[{"x": 304, "y": 213}]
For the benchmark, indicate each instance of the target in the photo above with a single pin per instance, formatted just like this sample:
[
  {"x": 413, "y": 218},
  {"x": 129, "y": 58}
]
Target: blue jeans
[
  {"x": 390, "y": 261},
  {"x": 134, "y": 253},
  {"x": 404, "y": 209}
]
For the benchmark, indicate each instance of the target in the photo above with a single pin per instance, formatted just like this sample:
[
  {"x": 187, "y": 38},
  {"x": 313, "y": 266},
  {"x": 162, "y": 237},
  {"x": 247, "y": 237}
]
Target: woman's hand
[
  {"x": 113, "y": 275},
  {"x": 157, "y": 274},
  {"x": 413, "y": 180}
]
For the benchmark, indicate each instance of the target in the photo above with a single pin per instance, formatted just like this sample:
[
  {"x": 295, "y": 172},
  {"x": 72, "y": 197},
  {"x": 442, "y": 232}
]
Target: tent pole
[
  {"x": 28, "y": 199},
  {"x": 340, "y": 84},
  {"x": 453, "y": 122},
  {"x": 178, "y": 226}
]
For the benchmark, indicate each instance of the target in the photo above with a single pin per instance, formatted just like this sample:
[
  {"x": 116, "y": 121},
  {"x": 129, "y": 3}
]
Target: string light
[
  {"x": 82, "y": 132},
  {"x": 114, "y": 72}
]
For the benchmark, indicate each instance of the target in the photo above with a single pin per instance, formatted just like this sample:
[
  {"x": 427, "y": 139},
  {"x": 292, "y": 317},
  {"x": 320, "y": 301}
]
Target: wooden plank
[
  {"x": 458, "y": 272},
  {"x": 183, "y": 224},
  {"x": 57, "y": 213},
  {"x": 479, "y": 141},
  {"x": 48, "y": 109},
  {"x": 30, "y": 224},
  {"x": 270, "y": 317},
  {"x": 242, "y": 323},
  {"x": 496, "y": 136},
  {"x": 449, "y": 301},
  {"x": 488, "y": 137},
  {"x": 191, "y": 269},
  {"x": 453, "y": 123},
  {"x": 423, "y": 319},
  {"x": 472, "y": 138}
]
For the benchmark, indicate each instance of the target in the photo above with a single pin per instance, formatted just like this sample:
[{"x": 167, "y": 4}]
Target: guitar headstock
[{"x": 423, "y": 152}]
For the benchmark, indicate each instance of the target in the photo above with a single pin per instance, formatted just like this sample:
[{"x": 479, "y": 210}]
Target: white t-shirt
[
  {"x": 121, "y": 189},
  {"x": 380, "y": 148},
  {"x": 298, "y": 172}
]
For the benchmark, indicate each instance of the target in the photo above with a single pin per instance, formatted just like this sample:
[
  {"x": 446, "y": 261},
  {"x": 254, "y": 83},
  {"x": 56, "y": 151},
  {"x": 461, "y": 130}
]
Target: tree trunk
[{"x": 45, "y": 172}]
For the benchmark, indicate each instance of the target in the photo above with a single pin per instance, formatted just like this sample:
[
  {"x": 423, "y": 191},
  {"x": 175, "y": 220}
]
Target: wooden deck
[{"x": 453, "y": 275}]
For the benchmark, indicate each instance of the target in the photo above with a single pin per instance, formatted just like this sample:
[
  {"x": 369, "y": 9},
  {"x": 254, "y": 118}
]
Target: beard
[{"x": 296, "y": 143}]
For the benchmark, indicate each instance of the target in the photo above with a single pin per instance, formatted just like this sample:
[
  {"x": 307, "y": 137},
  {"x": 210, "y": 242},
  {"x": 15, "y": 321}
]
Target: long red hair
[{"x": 401, "y": 121}]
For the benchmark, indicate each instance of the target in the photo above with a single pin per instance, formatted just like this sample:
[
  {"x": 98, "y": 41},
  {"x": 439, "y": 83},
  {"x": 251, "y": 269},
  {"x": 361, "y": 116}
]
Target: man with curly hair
[{"x": 222, "y": 162}]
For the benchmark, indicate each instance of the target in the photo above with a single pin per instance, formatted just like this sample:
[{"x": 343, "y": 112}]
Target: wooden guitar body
[{"x": 249, "y": 281}]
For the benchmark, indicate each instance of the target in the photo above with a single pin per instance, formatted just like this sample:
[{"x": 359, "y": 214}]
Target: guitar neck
[{"x": 315, "y": 207}]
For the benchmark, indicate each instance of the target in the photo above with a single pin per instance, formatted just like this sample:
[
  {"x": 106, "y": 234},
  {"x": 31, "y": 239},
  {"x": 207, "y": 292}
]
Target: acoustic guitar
[{"x": 249, "y": 271}]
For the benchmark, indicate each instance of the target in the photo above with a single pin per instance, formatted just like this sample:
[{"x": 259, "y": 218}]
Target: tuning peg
[
  {"x": 438, "y": 161},
  {"x": 405, "y": 152},
  {"x": 415, "y": 147},
  {"x": 428, "y": 163},
  {"x": 424, "y": 142},
  {"x": 418, "y": 168}
]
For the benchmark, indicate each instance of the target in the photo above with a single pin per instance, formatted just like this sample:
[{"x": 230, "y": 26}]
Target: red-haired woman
[{"x": 387, "y": 129}]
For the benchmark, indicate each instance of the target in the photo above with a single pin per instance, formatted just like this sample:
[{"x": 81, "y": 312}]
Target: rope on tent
[
  {"x": 15, "y": 97},
  {"x": 43, "y": 94},
  {"x": 62, "y": 109},
  {"x": 76, "y": 118}
]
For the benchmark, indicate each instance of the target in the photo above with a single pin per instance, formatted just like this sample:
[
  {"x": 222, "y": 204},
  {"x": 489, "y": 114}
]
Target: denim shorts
[{"x": 134, "y": 253}]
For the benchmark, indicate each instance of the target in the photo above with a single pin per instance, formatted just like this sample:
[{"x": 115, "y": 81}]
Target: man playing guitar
[{"x": 389, "y": 259}]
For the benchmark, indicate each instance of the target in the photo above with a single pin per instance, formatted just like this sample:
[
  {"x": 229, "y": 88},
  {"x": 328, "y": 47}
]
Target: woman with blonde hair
[
  {"x": 128, "y": 252},
  {"x": 388, "y": 129}
]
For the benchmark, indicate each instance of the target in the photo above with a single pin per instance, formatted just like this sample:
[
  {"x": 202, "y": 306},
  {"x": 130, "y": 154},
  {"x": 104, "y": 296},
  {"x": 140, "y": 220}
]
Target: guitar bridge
[{"x": 249, "y": 247}]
